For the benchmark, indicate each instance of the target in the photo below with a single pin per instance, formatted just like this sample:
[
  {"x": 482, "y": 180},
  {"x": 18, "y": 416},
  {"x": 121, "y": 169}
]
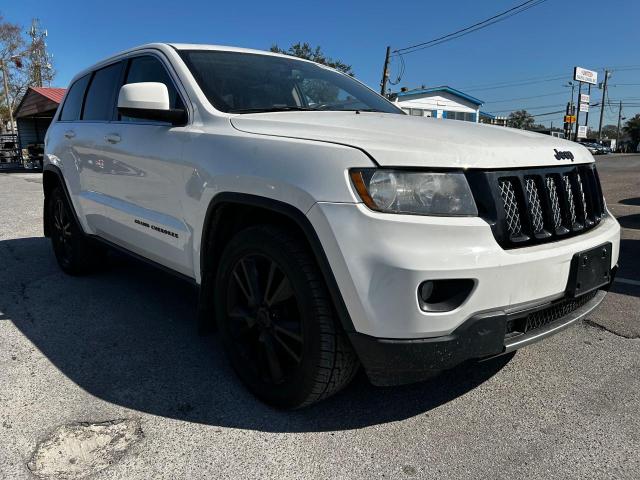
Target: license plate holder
[{"x": 590, "y": 270}]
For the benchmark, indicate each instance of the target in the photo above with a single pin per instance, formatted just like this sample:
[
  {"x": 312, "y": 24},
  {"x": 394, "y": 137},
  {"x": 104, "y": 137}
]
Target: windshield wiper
[{"x": 272, "y": 109}]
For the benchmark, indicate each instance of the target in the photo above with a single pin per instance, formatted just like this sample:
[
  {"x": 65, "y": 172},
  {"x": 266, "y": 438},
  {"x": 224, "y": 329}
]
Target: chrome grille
[{"x": 536, "y": 205}]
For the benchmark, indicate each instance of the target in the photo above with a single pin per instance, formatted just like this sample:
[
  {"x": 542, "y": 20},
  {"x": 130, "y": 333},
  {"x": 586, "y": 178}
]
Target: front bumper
[
  {"x": 379, "y": 260},
  {"x": 396, "y": 362}
]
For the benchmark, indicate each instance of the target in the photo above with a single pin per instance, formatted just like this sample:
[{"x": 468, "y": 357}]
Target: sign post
[
  {"x": 590, "y": 77},
  {"x": 583, "y": 75},
  {"x": 582, "y": 131}
]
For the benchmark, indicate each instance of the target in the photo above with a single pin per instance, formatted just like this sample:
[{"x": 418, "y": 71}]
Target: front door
[{"x": 143, "y": 178}]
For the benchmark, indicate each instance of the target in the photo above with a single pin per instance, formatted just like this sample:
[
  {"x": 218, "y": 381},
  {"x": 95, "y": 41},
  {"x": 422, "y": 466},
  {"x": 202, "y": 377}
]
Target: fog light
[
  {"x": 444, "y": 295},
  {"x": 426, "y": 289}
]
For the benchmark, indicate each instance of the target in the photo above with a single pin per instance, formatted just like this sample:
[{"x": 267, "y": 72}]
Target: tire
[
  {"x": 276, "y": 321},
  {"x": 75, "y": 253}
]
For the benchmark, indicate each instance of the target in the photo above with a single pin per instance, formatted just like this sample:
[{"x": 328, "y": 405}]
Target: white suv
[{"x": 323, "y": 227}]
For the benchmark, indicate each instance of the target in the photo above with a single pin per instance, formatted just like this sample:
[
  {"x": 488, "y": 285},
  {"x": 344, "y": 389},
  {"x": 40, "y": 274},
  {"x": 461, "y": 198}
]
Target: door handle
[
  {"x": 112, "y": 138},
  {"x": 69, "y": 134}
]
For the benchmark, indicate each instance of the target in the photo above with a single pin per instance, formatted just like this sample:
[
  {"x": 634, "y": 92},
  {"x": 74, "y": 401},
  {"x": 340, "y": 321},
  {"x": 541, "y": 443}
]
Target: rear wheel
[
  {"x": 276, "y": 320},
  {"x": 75, "y": 253}
]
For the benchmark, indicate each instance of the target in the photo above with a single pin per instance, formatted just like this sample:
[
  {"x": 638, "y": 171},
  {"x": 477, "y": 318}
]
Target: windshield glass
[{"x": 238, "y": 82}]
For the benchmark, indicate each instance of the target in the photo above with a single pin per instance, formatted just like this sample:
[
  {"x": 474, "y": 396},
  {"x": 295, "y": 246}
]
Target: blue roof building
[{"x": 440, "y": 102}]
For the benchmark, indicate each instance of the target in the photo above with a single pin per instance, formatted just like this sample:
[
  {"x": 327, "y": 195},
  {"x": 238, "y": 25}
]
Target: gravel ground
[{"x": 108, "y": 374}]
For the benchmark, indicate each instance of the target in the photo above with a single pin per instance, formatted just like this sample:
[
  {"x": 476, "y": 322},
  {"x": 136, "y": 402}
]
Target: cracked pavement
[{"x": 122, "y": 345}]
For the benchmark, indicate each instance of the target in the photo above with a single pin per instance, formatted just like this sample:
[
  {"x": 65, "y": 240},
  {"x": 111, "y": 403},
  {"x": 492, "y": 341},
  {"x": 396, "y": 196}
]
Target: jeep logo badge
[{"x": 563, "y": 155}]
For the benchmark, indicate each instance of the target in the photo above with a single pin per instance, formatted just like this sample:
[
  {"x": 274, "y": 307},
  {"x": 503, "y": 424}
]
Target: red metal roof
[{"x": 53, "y": 94}]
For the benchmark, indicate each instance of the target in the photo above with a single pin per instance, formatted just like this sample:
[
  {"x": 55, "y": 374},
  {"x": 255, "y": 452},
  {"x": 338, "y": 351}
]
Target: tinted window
[
  {"x": 150, "y": 69},
  {"x": 73, "y": 103},
  {"x": 99, "y": 103},
  {"x": 246, "y": 82}
]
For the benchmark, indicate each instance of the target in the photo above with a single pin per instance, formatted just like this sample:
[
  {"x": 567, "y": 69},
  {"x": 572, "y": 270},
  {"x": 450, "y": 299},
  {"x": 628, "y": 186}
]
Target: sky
[{"x": 528, "y": 55}]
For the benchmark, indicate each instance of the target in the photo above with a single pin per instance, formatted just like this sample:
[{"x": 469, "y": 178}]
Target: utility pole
[
  {"x": 586, "y": 121},
  {"x": 619, "y": 120},
  {"x": 5, "y": 80},
  {"x": 385, "y": 73},
  {"x": 604, "y": 98},
  {"x": 578, "y": 111}
]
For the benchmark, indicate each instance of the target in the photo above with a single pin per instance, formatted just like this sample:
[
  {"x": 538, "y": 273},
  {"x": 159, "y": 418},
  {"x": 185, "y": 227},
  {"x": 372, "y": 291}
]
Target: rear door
[
  {"x": 143, "y": 177},
  {"x": 67, "y": 138},
  {"x": 89, "y": 142}
]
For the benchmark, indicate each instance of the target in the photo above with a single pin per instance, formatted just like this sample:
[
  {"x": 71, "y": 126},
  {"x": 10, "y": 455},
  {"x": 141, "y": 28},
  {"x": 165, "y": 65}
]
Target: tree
[
  {"x": 609, "y": 131},
  {"x": 304, "y": 50},
  {"x": 20, "y": 59},
  {"x": 632, "y": 128},
  {"x": 520, "y": 119}
]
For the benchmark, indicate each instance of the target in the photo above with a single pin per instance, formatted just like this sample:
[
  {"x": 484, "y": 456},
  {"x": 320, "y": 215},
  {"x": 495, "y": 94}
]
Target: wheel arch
[
  {"x": 229, "y": 212},
  {"x": 51, "y": 178}
]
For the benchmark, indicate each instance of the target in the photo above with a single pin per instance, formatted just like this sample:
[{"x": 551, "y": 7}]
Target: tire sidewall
[{"x": 298, "y": 387}]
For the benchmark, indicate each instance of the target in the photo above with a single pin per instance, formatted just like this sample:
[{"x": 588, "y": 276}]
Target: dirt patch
[{"x": 82, "y": 449}]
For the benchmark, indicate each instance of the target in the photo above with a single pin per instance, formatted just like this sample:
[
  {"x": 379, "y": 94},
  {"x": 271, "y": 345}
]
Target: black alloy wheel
[
  {"x": 276, "y": 321},
  {"x": 264, "y": 318},
  {"x": 75, "y": 252},
  {"x": 61, "y": 235}
]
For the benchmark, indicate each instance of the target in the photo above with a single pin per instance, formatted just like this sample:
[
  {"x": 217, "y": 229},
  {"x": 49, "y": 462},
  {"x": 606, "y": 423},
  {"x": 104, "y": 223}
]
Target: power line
[
  {"x": 472, "y": 28},
  {"x": 527, "y": 98},
  {"x": 517, "y": 84}
]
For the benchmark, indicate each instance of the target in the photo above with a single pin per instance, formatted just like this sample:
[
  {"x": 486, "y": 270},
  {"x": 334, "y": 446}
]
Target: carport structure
[{"x": 33, "y": 117}]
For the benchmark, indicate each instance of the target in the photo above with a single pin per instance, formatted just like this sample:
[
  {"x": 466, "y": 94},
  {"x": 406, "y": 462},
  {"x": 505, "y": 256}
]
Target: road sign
[
  {"x": 582, "y": 131},
  {"x": 584, "y": 107},
  {"x": 569, "y": 119},
  {"x": 583, "y": 75},
  {"x": 584, "y": 98}
]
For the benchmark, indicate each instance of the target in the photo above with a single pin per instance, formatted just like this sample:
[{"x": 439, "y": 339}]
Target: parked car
[
  {"x": 324, "y": 228},
  {"x": 594, "y": 148}
]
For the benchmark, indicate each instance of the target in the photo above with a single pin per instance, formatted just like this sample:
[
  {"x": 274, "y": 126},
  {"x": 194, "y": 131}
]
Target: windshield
[{"x": 237, "y": 82}]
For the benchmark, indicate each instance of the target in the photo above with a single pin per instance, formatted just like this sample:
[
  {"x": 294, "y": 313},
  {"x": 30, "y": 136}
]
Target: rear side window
[
  {"x": 150, "y": 69},
  {"x": 73, "y": 103},
  {"x": 100, "y": 101}
]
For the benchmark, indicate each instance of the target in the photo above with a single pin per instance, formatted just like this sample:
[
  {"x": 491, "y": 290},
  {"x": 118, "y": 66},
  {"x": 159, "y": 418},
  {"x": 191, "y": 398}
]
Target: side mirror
[{"x": 149, "y": 101}]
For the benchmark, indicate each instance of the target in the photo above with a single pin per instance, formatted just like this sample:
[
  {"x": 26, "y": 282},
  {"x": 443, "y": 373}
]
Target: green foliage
[
  {"x": 632, "y": 128},
  {"x": 304, "y": 50},
  {"x": 609, "y": 131},
  {"x": 520, "y": 119}
]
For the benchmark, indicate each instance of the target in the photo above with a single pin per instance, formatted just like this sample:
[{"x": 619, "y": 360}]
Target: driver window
[{"x": 150, "y": 69}]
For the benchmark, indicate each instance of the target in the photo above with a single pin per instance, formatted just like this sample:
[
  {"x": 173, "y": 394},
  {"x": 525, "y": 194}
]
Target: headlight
[{"x": 418, "y": 193}]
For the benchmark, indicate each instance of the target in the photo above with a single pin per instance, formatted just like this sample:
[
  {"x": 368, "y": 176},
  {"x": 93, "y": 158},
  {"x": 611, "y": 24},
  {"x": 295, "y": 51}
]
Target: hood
[{"x": 406, "y": 141}]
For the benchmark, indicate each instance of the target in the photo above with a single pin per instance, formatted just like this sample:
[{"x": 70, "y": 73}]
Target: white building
[{"x": 440, "y": 102}]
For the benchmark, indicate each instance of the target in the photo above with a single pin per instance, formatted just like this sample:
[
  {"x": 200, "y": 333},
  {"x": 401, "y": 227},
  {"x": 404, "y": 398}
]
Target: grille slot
[
  {"x": 541, "y": 318},
  {"x": 537, "y": 205},
  {"x": 555, "y": 202},
  {"x": 510, "y": 202}
]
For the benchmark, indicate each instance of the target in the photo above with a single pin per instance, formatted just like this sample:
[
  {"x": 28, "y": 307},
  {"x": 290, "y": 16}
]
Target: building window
[
  {"x": 465, "y": 116},
  {"x": 417, "y": 112}
]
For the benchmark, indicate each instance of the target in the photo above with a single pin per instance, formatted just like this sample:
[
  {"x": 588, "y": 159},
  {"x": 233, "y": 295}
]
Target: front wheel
[{"x": 276, "y": 321}]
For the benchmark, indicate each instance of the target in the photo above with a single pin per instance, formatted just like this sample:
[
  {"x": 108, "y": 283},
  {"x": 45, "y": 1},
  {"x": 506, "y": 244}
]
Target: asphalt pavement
[{"x": 106, "y": 376}]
